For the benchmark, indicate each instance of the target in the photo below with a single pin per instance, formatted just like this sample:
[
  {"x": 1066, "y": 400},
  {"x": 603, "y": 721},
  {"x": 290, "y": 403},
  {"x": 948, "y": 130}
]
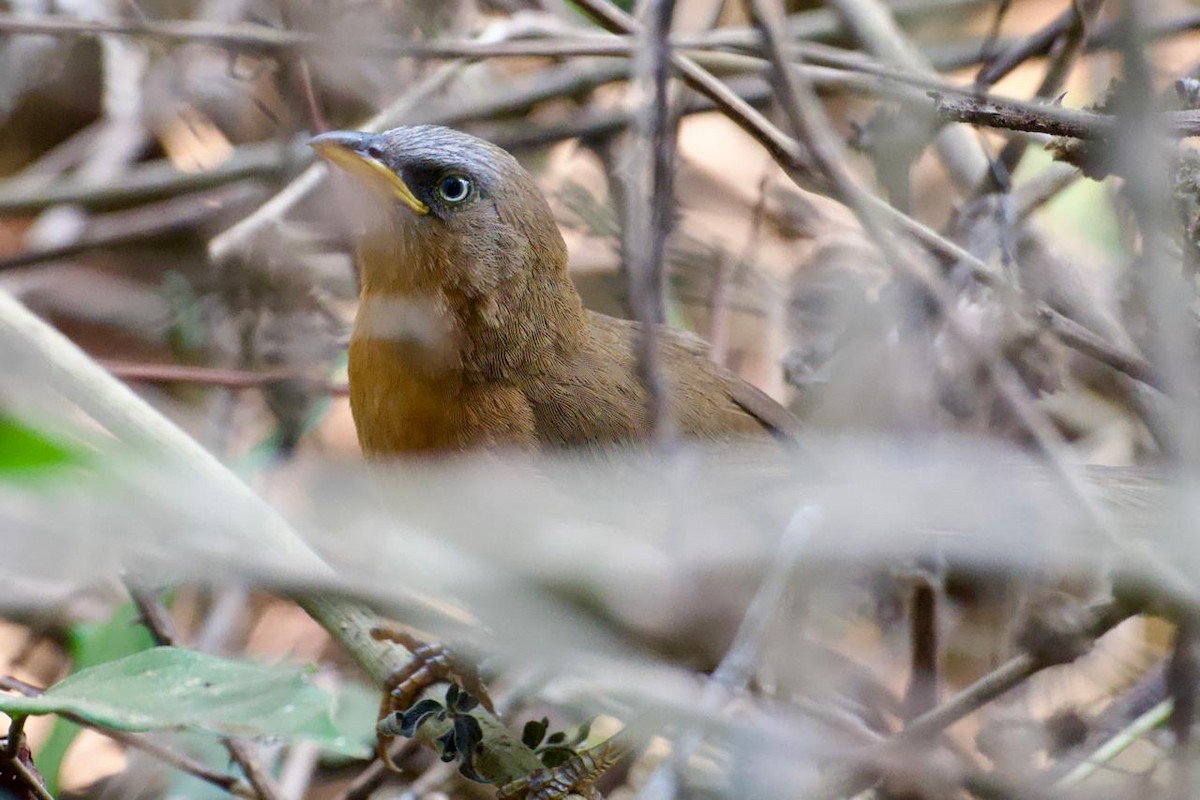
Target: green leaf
[
  {"x": 91, "y": 643},
  {"x": 169, "y": 687},
  {"x": 26, "y": 451},
  {"x": 354, "y": 715}
]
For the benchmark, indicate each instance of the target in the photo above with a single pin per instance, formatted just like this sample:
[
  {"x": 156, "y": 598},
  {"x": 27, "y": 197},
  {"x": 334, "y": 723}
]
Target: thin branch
[
  {"x": 650, "y": 198},
  {"x": 1146, "y": 163},
  {"x": 1017, "y": 53},
  {"x": 594, "y": 124},
  {"x": 264, "y": 40},
  {"x": 1136, "y": 731},
  {"x": 1108, "y": 36},
  {"x": 785, "y": 150},
  {"x": 810, "y": 120},
  {"x": 152, "y": 180},
  {"x": 808, "y": 26},
  {"x": 1083, "y": 340},
  {"x": 213, "y": 376},
  {"x": 1053, "y": 120},
  {"x": 850, "y": 782},
  {"x": 923, "y": 682},
  {"x": 874, "y": 25},
  {"x": 133, "y": 225},
  {"x": 738, "y": 665},
  {"x": 366, "y": 782},
  {"x": 1183, "y": 683},
  {"x": 1069, "y": 48}
]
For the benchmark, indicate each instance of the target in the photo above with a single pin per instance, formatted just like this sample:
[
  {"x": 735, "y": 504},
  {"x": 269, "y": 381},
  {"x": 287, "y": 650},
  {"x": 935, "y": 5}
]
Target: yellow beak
[{"x": 348, "y": 150}]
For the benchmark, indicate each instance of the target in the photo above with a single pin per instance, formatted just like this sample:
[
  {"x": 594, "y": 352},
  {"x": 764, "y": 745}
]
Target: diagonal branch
[{"x": 25, "y": 338}]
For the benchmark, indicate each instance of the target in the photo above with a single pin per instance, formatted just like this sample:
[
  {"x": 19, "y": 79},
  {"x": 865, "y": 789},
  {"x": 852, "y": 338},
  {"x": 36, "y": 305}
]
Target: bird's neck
[{"x": 456, "y": 332}]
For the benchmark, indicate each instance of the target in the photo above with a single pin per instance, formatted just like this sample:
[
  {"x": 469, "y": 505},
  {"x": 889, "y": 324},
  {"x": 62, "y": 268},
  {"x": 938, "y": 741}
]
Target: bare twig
[
  {"x": 1037, "y": 43},
  {"x": 808, "y": 116},
  {"x": 153, "y": 219},
  {"x": 650, "y": 199},
  {"x": 874, "y": 24},
  {"x": 1107, "y": 36},
  {"x": 923, "y": 683},
  {"x": 1054, "y": 120},
  {"x": 1069, "y": 48},
  {"x": 951, "y": 56},
  {"x": 264, "y": 40},
  {"x": 967, "y": 701},
  {"x": 149, "y": 181},
  {"x": 786, "y": 151},
  {"x": 31, "y": 783},
  {"x": 738, "y": 665},
  {"x": 364, "y": 785},
  {"x": 155, "y": 617},
  {"x": 1081, "y": 339},
  {"x": 594, "y": 124},
  {"x": 1183, "y": 682},
  {"x": 1145, "y": 162},
  {"x": 212, "y": 376}
]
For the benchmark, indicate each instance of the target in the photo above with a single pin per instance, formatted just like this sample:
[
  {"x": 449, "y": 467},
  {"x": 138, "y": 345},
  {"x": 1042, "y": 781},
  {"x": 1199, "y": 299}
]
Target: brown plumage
[{"x": 471, "y": 333}]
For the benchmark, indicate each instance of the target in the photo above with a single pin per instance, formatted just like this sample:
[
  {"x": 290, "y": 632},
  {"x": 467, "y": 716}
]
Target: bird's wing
[
  {"x": 700, "y": 383},
  {"x": 771, "y": 414},
  {"x": 768, "y": 412}
]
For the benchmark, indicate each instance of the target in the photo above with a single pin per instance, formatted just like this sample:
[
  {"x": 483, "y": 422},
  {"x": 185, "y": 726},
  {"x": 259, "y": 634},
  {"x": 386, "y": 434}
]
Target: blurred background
[{"x": 989, "y": 334}]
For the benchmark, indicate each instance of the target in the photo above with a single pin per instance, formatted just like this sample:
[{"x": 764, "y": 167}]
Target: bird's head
[
  {"x": 456, "y": 223},
  {"x": 457, "y": 211}
]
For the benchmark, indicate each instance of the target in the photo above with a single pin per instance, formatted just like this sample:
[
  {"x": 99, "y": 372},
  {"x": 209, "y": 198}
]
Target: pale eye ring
[{"x": 455, "y": 189}]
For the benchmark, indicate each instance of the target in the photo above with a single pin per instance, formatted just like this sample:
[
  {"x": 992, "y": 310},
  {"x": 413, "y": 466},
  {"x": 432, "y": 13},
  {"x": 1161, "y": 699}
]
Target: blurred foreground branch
[{"x": 112, "y": 404}]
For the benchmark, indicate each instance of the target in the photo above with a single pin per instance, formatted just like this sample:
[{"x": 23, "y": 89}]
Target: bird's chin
[{"x": 377, "y": 213}]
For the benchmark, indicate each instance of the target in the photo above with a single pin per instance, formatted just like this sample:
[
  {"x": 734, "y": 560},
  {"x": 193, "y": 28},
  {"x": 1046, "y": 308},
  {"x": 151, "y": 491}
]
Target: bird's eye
[
  {"x": 455, "y": 188},
  {"x": 375, "y": 153}
]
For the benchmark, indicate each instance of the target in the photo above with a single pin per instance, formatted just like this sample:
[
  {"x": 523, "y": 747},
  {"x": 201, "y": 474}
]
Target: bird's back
[{"x": 597, "y": 398}]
